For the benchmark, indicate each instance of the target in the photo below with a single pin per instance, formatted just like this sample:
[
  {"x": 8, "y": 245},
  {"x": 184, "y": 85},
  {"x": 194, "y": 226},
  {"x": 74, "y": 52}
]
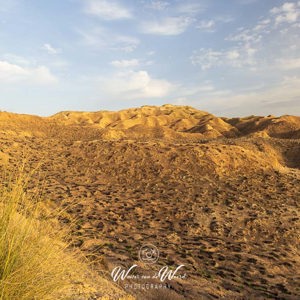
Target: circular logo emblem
[{"x": 148, "y": 254}]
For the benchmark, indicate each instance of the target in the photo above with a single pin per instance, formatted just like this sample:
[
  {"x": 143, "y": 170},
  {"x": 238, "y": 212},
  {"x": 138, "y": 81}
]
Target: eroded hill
[
  {"x": 173, "y": 122},
  {"x": 218, "y": 195}
]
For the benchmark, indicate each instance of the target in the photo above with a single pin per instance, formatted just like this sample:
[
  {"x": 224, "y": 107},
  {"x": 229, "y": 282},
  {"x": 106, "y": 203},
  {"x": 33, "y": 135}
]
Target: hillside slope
[{"x": 218, "y": 195}]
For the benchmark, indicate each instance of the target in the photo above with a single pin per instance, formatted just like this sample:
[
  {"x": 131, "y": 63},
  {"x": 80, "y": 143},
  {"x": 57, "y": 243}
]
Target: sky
[{"x": 228, "y": 57}]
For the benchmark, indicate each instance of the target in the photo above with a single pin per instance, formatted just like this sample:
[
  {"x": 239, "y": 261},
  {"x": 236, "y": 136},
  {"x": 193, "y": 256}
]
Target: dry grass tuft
[{"x": 35, "y": 262}]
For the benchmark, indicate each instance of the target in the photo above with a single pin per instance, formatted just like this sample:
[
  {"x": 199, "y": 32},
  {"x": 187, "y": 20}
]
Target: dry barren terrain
[{"x": 217, "y": 195}]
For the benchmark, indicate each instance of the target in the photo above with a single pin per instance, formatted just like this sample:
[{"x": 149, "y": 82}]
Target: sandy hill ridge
[{"x": 164, "y": 122}]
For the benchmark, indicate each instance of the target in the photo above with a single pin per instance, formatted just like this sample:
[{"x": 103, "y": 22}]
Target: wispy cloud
[
  {"x": 50, "y": 49},
  {"x": 125, "y": 63},
  {"x": 102, "y": 39},
  {"x": 167, "y": 26},
  {"x": 107, "y": 10},
  {"x": 251, "y": 35},
  {"x": 235, "y": 57}
]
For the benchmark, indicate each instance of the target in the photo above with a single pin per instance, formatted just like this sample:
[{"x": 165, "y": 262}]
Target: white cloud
[
  {"x": 50, "y": 49},
  {"x": 101, "y": 38},
  {"x": 289, "y": 12},
  {"x": 12, "y": 73},
  {"x": 125, "y": 63},
  {"x": 107, "y": 10},
  {"x": 167, "y": 26},
  {"x": 135, "y": 85}
]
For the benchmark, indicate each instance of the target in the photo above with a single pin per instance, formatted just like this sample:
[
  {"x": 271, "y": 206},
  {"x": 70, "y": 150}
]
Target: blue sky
[{"x": 228, "y": 57}]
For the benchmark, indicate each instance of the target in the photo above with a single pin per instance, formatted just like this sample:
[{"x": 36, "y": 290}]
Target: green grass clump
[{"x": 35, "y": 262}]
